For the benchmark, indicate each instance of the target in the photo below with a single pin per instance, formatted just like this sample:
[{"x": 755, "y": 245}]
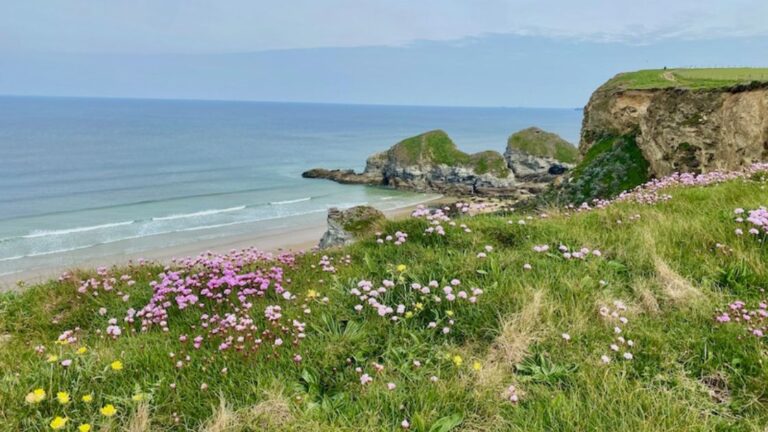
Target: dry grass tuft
[
  {"x": 273, "y": 413},
  {"x": 140, "y": 420},
  {"x": 223, "y": 419},
  {"x": 675, "y": 287},
  {"x": 518, "y": 332}
]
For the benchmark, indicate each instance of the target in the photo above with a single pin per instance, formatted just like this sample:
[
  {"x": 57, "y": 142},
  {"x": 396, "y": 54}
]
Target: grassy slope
[
  {"x": 437, "y": 147},
  {"x": 688, "y": 78},
  {"x": 665, "y": 266},
  {"x": 537, "y": 142}
]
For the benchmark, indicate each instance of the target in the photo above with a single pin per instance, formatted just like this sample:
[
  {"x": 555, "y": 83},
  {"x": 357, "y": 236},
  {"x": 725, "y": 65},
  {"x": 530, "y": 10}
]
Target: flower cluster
[
  {"x": 398, "y": 239},
  {"x": 64, "y": 401},
  {"x": 569, "y": 253},
  {"x": 752, "y": 319},
  {"x": 654, "y": 191},
  {"x": 397, "y": 301},
  {"x": 223, "y": 289},
  {"x": 619, "y": 345},
  {"x": 756, "y": 220}
]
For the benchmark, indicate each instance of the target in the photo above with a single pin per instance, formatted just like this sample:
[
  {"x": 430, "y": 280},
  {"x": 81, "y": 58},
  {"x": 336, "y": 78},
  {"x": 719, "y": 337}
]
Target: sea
[{"x": 84, "y": 179}]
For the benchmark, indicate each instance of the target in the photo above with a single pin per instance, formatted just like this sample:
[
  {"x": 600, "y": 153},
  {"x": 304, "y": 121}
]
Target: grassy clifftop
[
  {"x": 704, "y": 78},
  {"x": 436, "y": 147},
  {"x": 628, "y": 317}
]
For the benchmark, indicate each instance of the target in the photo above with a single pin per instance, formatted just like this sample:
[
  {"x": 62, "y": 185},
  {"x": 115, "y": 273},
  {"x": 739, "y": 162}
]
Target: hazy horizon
[{"x": 507, "y": 53}]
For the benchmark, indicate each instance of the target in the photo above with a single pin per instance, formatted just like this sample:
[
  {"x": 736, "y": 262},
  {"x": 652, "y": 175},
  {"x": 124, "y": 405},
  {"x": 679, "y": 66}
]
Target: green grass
[
  {"x": 665, "y": 266},
  {"x": 537, "y": 142},
  {"x": 438, "y": 148},
  {"x": 704, "y": 78}
]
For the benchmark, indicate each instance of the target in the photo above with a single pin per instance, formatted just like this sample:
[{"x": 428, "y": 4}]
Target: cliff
[
  {"x": 684, "y": 120},
  {"x": 431, "y": 162}
]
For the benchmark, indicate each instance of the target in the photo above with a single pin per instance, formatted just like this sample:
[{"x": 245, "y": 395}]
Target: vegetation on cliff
[
  {"x": 703, "y": 78},
  {"x": 645, "y": 314},
  {"x": 436, "y": 147},
  {"x": 537, "y": 142}
]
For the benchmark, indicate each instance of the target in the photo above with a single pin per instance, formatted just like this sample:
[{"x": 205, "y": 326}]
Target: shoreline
[{"x": 299, "y": 239}]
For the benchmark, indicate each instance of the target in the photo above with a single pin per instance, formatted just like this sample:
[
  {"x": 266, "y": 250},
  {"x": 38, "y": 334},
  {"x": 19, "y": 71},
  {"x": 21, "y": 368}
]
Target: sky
[{"x": 542, "y": 53}]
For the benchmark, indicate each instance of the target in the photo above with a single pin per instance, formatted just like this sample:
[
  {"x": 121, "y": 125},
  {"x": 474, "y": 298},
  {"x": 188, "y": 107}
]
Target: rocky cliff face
[
  {"x": 539, "y": 156},
  {"x": 431, "y": 162},
  {"x": 683, "y": 129}
]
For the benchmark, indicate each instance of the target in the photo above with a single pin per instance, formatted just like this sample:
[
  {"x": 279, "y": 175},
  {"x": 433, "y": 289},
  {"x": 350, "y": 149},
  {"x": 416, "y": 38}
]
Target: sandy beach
[{"x": 302, "y": 238}]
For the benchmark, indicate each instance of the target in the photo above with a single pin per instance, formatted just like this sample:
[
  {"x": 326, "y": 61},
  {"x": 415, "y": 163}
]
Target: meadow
[
  {"x": 643, "y": 313},
  {"x": 694, "y": 78}
]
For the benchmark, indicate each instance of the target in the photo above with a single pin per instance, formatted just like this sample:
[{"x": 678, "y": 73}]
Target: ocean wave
[
  {"x": 13, "y": 258},
  {"x": 46, "y": 233},
  {"x": 51, "y": 252},
  {"x": 199, "y": 213},
  {"x": 292, "y": 201}
]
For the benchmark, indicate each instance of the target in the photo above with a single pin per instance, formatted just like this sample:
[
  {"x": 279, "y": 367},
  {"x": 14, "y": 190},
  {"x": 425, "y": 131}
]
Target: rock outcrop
[
  {"x": 344, "y": 226},
  {"x": 682, "y": 129},
  {"x": 431, "y": 162},
  {"x": 536, "y": 155}
]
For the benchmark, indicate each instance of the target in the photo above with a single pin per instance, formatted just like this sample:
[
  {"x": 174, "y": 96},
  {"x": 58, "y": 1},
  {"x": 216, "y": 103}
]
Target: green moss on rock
[
  {"x": 537, "y": 142},
  {"x": 436, "y": 147}
]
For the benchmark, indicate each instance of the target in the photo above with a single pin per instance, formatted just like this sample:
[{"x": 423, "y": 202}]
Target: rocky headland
[{"x": 431, "y": 162}]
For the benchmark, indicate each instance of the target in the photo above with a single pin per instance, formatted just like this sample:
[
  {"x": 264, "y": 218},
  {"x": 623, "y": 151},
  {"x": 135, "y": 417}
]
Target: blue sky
[{"x": 426, "y": 52}]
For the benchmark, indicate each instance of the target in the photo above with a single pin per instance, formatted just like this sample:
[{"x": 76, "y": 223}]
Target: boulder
[{"x": 345, "y": 226}]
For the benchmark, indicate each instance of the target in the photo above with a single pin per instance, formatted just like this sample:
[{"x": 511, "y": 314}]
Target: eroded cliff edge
[{"x": 679, "y": 128}]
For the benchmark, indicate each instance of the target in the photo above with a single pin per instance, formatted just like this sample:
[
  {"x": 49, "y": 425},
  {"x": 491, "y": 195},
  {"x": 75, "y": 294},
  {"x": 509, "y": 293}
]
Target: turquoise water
[{"x": 84, "y": 178}]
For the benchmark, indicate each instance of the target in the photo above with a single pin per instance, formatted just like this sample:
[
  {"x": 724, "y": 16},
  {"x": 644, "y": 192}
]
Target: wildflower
[
  {"x": 58, "y": 423},
  {"x": 82, "y": 350},
  {"x": 312, "y": 294},
  {"x": 87, "y": 398},
  {"x": 457, "y": 360},
  {"x": 116, "y": 365},
  {"x": 605, "y": 359},
  {"x": 203, "y": 386},
  {"x": 62, "y": 397},
  {"x": 108, "y": 410},
  {"x": 433, "y": 378},
  {"x": 138, "y": 397},
  {"x": 85, "y": 427},
  {"x": 35, "y": 396},
  {"x": 52, "y": 358},
  {"x": 628, "y": 355},
  {"x": 66, "y": 363},
  {"x": 404, "y": 424},
  {"x": 527, "y": 266},
  {"x": 476, "y": 365},
  {"x": 566, "y": 337},
  {"x": 391, "y": 386},
  {"x": 401, "y": 268},
  {"x": 365, "y": 379}
]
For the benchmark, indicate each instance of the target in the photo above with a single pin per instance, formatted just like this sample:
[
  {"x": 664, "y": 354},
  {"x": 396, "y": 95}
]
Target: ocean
[{"x": 85, "y": 179}]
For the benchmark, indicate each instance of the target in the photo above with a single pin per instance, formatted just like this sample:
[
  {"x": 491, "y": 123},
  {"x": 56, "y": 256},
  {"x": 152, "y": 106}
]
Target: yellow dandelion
[
  {"x": 457, "y": 360},
  {"x": 62, "y": 397},
  {"x": 401, "y": 268},
  {"x": 85, "y": 427},
  {"x": 476, "y": 365},
  {"x": 87, "y": 398},
  {"x": 35, "y": 396},
  {"x": 52, "y": 358},
  {"x": 116, "y": 365},
  {"x": 82, "y": 350},
  {"x": 409, "y": 314},
  {"x": 449, "y": 312},
  {"x": 108, "y": 410},
  {"x": 58, "y": 423},
  {"x": 419, "y": 306},
  {"x": 138, "y": 397},
  {"x": 312, "y": 294}
]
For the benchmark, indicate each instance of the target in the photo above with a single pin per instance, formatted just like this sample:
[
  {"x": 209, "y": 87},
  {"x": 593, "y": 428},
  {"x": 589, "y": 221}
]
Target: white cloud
[{"x": 195, "y": 26}]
